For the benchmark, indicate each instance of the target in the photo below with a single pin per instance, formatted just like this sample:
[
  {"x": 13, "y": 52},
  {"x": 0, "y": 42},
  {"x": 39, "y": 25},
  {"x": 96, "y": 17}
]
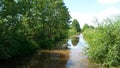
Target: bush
[
  {"x": 104, "y": 43},
  {"x": 16, "y": 45}
]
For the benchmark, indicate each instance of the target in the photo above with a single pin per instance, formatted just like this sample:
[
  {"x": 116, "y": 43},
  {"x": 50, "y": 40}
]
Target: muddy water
[{"x": 73, "y": 57}]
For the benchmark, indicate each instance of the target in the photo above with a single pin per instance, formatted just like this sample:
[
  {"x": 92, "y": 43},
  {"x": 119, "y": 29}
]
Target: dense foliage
[
  {"x": 29, "y": 24},
  {"x": 74, "y": 27},
  {"x": 86, "y": 26},
  {"x": 104, "y": 42}
]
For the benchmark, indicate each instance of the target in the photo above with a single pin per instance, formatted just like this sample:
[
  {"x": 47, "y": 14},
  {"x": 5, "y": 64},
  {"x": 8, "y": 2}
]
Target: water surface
[{"x": 73, "y": 57}]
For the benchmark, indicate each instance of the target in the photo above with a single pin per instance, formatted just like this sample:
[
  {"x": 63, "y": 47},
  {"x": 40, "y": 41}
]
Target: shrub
[{"x": 104, "y": 43}]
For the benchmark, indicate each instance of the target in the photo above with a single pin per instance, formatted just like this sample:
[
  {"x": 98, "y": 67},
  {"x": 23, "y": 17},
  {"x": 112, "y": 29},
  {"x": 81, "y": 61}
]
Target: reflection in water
[
  {"x": 69, "y": 58},
  {"x": 80, "y": 44},
  {"x": 42, "y": 59},
  {"x": 77, "y": 57},
  {"x": 50, "y": 59}
]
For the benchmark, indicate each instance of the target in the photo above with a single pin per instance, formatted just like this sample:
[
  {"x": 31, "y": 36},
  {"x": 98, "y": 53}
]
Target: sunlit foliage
[
  {"x": 104, "y": 42},
  {"x": 26, "y": 25}
]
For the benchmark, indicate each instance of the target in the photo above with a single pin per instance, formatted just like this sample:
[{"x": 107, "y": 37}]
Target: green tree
[
  {"x": 76, "y": 26},
  {"x": 36, "y": 22},
  {"x": 86, "y": 26},
  {"x": 13, "y": 40},
  {"x": 54, "y": 22}
]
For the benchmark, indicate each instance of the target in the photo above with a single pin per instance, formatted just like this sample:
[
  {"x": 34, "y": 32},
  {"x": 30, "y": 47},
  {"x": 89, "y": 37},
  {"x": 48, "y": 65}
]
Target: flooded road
[{"x": 73, "y": 57}]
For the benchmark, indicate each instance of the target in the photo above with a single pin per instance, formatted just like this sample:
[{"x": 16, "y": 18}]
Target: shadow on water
[{"x": 73, "y": 57}]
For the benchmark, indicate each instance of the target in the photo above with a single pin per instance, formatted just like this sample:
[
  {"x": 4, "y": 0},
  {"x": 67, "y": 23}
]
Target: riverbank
[{"x": 74, "y": 57}]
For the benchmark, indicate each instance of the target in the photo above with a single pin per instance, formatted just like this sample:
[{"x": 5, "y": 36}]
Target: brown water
[{"x": 74, "y": 57}]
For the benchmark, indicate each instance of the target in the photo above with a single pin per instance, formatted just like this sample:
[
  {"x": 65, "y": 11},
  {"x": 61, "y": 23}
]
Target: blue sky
[{"x": 85, "y": 10}]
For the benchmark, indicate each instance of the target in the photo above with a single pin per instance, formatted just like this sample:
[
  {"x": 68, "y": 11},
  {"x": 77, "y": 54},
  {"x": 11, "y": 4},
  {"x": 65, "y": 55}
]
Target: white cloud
[
  {"x": 88, "y": 18},
  {"x": 108, "y": 1}
]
